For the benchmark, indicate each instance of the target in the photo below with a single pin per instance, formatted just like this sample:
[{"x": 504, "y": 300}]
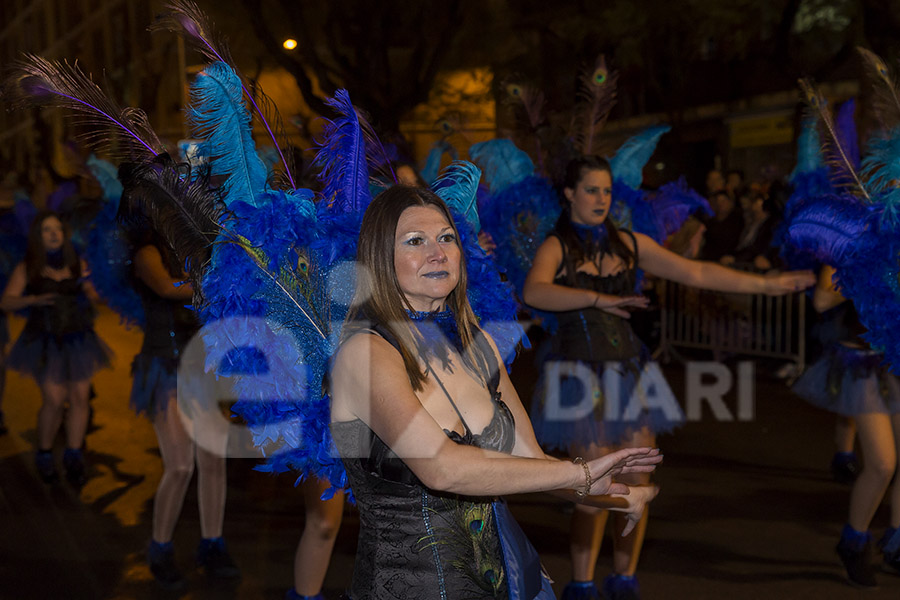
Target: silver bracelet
[{"x": 588, "y": 481}]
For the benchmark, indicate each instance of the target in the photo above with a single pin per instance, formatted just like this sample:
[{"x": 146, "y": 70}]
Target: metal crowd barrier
[{"x": 745, "y": 324}]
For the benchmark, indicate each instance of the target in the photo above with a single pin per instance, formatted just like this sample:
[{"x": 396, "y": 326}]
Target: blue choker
[
  {"x": 595, "y": 236},
  {"x": 55, "y": 259},
  {"x": 437, "y": 328}
]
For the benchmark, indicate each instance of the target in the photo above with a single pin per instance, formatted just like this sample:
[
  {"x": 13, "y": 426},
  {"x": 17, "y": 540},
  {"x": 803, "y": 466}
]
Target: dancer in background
[
  {"x": 851, "y": 380},
  {"x": 585, "y": 272},
  {"x": 169, "y": 327},
  {"x": 58, "y": 346}
]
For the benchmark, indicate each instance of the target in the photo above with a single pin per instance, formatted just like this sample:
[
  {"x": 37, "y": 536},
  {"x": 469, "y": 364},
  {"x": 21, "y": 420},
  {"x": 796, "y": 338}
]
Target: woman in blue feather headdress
[
  {"x": 851, "y": 230},
  {"x": 430, "y": 428},
  {"x": 598, "y": 391}
]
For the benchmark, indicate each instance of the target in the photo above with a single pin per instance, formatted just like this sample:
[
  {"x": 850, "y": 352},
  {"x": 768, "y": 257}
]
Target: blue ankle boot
[
  {"x": 890, "y": 549},
  {"x": 213, "y": 558},
  {"x": 161, "y": 558},
  {"x": 855, "y": 550},
  {"x": 293, "y": 595},
  {"x": 46, "y": 467},
  {"x": 580, "y": 590},
  {"x": 621, "y": 587},
  {"x": 73, "y": 461}
]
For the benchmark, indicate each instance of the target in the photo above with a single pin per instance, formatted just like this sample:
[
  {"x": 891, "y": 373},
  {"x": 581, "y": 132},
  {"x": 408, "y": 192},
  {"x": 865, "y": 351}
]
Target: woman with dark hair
[
  {"x": 431, "y": 430},
  {"x": 161, "y": 372},
  {"x": 598, "y": 391},
  {"x": 58, "y": 346}
]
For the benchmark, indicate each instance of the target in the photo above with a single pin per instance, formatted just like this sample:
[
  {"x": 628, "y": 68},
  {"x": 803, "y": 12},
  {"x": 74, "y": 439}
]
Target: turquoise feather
[
  {"x": 433, "y": 162},
  {"x": 628, "y": 163},
  {"x": 218, "y": 115},
  {"x": 809, "y": 149},
  {"x": 457, "y": 186},
  {"x": 106, "y": 175},
  {"x": 502, "y": 162}
]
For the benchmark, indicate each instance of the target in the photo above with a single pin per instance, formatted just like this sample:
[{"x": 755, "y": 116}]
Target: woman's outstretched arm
[{"x": 658, "y": 261}]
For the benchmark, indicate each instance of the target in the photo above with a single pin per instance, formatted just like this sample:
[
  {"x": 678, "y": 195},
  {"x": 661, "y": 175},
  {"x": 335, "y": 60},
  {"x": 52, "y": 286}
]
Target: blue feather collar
[
  {"x": 595, "y": 236},
  {"x": 437, "y": 329}
]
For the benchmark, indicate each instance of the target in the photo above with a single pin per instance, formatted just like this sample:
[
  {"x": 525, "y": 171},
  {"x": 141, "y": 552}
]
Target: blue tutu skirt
[
  {"x": 154, "y": 379},
  {"x": 579, "y": 403},
  {"x": 850, "y": 381},
  {"x": 59, "y": 358}
]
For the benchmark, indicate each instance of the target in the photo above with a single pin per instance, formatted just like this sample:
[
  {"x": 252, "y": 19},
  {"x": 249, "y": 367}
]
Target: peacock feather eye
[
  {"x": 303, "y": 264},
  {"x": 476, "y": 526},
  {"x": 514, "y": 89},
  {"x": 445, "y": 126},
  {"x": 599, "y": 76},
  {"x": 490, "y": 576}
]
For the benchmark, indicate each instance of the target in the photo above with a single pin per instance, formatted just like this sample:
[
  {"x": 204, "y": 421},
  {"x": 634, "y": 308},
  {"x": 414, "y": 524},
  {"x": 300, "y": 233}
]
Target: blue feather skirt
[
  {"x": 850, "y": 381},
  {"x": 154, "y": 381},
  {"x": 60, "y": 358},
  {"x": 580, "y": 403}
]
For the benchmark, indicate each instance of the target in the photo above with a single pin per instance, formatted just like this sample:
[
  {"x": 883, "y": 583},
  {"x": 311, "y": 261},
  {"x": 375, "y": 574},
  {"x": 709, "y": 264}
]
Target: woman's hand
[
  {"x": 620, "y": 462},
  {"x": 614, "y": 305},
  {"x": 637, "y": 499},
  {"x": 41, "y": 299},
  {"x": 787, "y": 283}
]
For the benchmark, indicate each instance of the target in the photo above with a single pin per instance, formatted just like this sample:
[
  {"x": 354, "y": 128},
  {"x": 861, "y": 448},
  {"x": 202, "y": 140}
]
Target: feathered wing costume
[
  {"x": 658, "y": 214},
  {"x": 277, "y": 273},
  {"x": 521, "y": 207},
  {"x": 855, "y": 228}
]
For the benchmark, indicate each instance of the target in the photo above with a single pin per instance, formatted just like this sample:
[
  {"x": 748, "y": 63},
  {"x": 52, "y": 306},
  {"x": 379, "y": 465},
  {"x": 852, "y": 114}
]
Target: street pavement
[{"x": 747, "y": 510}]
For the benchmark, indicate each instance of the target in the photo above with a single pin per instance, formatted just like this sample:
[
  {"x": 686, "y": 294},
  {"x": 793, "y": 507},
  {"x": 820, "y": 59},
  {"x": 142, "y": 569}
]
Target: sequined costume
[
  {"x": 58, "y": 342},
  {"x": 849, "y": 378},
  {"x": 597, "y": 384},
  {"x": 415, "y": 542}
]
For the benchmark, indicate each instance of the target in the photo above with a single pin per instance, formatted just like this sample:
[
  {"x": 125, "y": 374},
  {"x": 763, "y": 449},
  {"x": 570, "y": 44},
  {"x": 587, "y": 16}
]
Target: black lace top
[
  {"x": 415, "y": 542},
  {"x": 590, "y": 334},
  {"x": 70, "y": 313}
]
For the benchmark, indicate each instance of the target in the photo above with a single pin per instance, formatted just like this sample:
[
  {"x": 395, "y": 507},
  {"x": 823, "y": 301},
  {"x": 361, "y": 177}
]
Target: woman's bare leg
[
  {"x": 177, "y": 450},
  {"x": 876, "y": 438},
  {"x": 53, "y": 400},
  {"x": 323, "y": 520},
  {"x": 77, "y": 413}
]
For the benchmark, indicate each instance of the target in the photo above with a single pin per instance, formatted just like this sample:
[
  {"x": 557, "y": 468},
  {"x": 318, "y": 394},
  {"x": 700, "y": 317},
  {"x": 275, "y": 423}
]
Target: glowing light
[{"x": 289, "y": 44}]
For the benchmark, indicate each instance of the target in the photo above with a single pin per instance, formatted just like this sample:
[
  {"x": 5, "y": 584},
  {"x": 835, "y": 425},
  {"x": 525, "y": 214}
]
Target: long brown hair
[
  {"x": 379, "y": 297},
  {"x": 36, "y": 254}
]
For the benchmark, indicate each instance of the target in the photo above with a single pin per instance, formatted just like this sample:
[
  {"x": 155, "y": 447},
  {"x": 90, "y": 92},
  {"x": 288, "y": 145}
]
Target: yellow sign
[{"x": 762, "y": 131}]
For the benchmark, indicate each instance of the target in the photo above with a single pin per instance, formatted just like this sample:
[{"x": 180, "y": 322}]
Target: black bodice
[
  {"x": 170, "y": 325},
  {"x": 415, "y": 542},
  {"x": 591, "y": 334},
  {"x": 71, "y": 311}
]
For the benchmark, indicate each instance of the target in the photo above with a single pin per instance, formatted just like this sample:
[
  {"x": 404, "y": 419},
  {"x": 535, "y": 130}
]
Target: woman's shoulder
[{"x": 363, "y": 343}]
